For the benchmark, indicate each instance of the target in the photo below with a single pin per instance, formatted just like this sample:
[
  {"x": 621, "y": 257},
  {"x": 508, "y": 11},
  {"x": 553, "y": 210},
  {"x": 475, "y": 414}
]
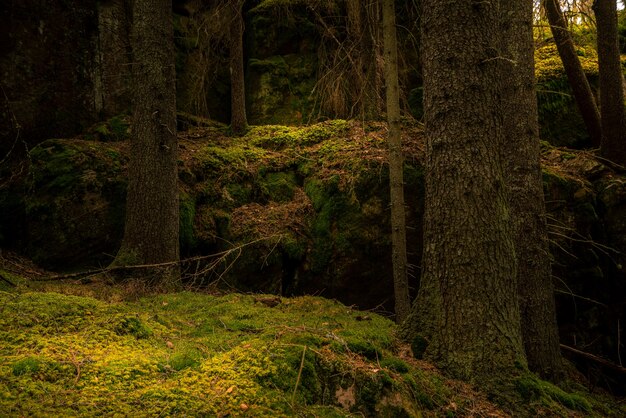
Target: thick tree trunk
[
  {"x": 574, "y": 70},
  {"x": 151, "y": 231},
  {"x": 521, "y": 157},
  {"x": 396, "y": 182},
  {"x": 238, "y": 119},
  {"x": 467, "y": 310},
  {"x": 611, "y": 95}
]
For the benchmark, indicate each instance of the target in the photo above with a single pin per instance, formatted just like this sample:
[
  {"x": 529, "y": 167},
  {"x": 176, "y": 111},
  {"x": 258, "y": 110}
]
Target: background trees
[
  {"x": 575, "y": 74},
  {"x": 396, "y": 163},
  {"x": 238, "y": 119},
  {"x": 520, "y": 150},
  {"x": 611, "y": 78}
]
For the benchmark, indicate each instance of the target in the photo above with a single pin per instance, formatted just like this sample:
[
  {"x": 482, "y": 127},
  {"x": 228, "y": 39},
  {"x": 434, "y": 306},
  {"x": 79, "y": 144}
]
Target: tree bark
[
  {"x": 238, "y": 119},
  {"x": 466, "y": 313},
  {"x": 574, "y": 70},
  {"x": 611, "y": 94},
  {"x": 396, "y": 162},
  {"x": 152, "y": 222},
  {"x": 521, "y": 153}
]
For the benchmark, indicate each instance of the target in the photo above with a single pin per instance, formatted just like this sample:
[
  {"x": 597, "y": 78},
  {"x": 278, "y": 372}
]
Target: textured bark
[
  {"x": 112, "y": 90},
  {"x": 521, "y": 158},
  {"x": 396, "y": 182},
  {"x": 151, "y": 231},
  {"x": 611, "y": 95},
  {"x": 574, "y": 70},
  {"x": 466, "y": 310},
  {"x": 238, "y": 119}
]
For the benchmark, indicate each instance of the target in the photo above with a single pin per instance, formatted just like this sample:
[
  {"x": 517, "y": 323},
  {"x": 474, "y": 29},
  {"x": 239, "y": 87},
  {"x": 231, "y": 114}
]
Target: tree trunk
[
  {"x": 467, "y": 310},
  {"x": 521, "y": 157},
  {"x": 238, "y": 119},
  {"x": 574, "y": 70},
  {"x": 151, "y": 231},
  {"x": 362, "y": 18},
  {"x": 611, "y": 94},
  {"x": 396, "y": 182}
]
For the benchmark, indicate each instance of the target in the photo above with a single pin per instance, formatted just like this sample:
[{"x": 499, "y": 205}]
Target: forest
[{"x": 322, "y": 208}]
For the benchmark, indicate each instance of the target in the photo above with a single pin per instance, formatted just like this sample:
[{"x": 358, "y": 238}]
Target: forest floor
[{"x": 100, "y": 347}]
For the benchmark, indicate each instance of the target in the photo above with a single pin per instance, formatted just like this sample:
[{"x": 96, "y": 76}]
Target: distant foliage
[{"x": 548, "y": 65}]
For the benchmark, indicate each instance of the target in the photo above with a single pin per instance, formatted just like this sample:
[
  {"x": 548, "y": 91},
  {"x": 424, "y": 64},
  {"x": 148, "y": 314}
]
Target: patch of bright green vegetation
[
  {"x": 202, "y": 355},
  {"x": 278, "y": 137},
  {"x": 548, "y": 64},
  {"x": 194, "y": 354}
]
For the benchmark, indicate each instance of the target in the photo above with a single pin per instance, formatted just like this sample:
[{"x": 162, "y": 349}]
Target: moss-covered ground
[{"x": 71, "y": 349}]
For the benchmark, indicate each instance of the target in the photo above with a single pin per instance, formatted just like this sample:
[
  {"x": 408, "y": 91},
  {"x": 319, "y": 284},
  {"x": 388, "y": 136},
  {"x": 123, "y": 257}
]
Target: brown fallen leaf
[
  {"x": 169, "y": 345},
  {"x": 230, "y": 389},
  {"x": 244, "y": 407}
]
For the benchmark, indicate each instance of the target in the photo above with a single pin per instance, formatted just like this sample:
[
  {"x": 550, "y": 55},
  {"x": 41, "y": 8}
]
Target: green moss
[
  {"x": 28, "y": 365},
  {"x": 395, "y": 364},
  {"x": 206, "y": 355},
  {"x": 548, "y": 64},
  {"x": 533, "y": 389},
  {"x": 115, "y": 129},
  {"x": 366, "y": 349},
  {"x": 279, "y": 137},
  {"x": 133, "y": 326},
  {"x": 278, "y": 186}
]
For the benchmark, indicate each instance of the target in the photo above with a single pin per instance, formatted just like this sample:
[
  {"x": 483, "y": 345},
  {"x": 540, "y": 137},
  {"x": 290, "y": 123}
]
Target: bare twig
[{"x": 293, "y": 395}]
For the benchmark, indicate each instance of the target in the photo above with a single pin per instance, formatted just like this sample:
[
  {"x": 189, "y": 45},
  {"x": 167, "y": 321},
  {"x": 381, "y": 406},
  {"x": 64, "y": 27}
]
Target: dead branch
[
  {"x": 594, "y": 358},
  {"x": 221, "y": 255}
]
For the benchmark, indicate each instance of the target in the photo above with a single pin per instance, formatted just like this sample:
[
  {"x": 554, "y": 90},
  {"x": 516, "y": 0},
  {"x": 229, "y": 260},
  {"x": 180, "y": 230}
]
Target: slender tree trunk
[
  {"x": 521, "y": 157},
  {"x": 471, "y": 324},
  {"x": 396, "y": 182},
  {"x": 574, "y": 70},
  {"x": 611, "y": 95},
  {"x": 369, "y": 52},
  {"x": 238, "y": 119},
  {"x": 151, "y": 231},
  {"x": 362, "y": 19}
]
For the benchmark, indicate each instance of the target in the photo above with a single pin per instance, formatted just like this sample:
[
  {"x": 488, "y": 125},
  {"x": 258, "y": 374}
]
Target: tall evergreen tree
[
  {"x": 523, "y": 174},
  {"x": 577, "y": 80},
  {"x": 238, "y": 119},
  {"x": 396, "y": 182},
  {"x": 152, "y": 223},
  {"x": 466, "y": 315},
  {"x": 612, "y": 113}
]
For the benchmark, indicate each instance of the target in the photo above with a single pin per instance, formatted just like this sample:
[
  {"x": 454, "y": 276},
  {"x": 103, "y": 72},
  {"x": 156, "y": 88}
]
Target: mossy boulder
[{"x": 74, "y": 202}]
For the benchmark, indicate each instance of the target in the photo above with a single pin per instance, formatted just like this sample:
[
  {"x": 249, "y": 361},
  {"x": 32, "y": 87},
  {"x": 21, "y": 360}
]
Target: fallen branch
[
  {"x": 595, "y": 358},
  {"x": 110, "y": 269}
]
